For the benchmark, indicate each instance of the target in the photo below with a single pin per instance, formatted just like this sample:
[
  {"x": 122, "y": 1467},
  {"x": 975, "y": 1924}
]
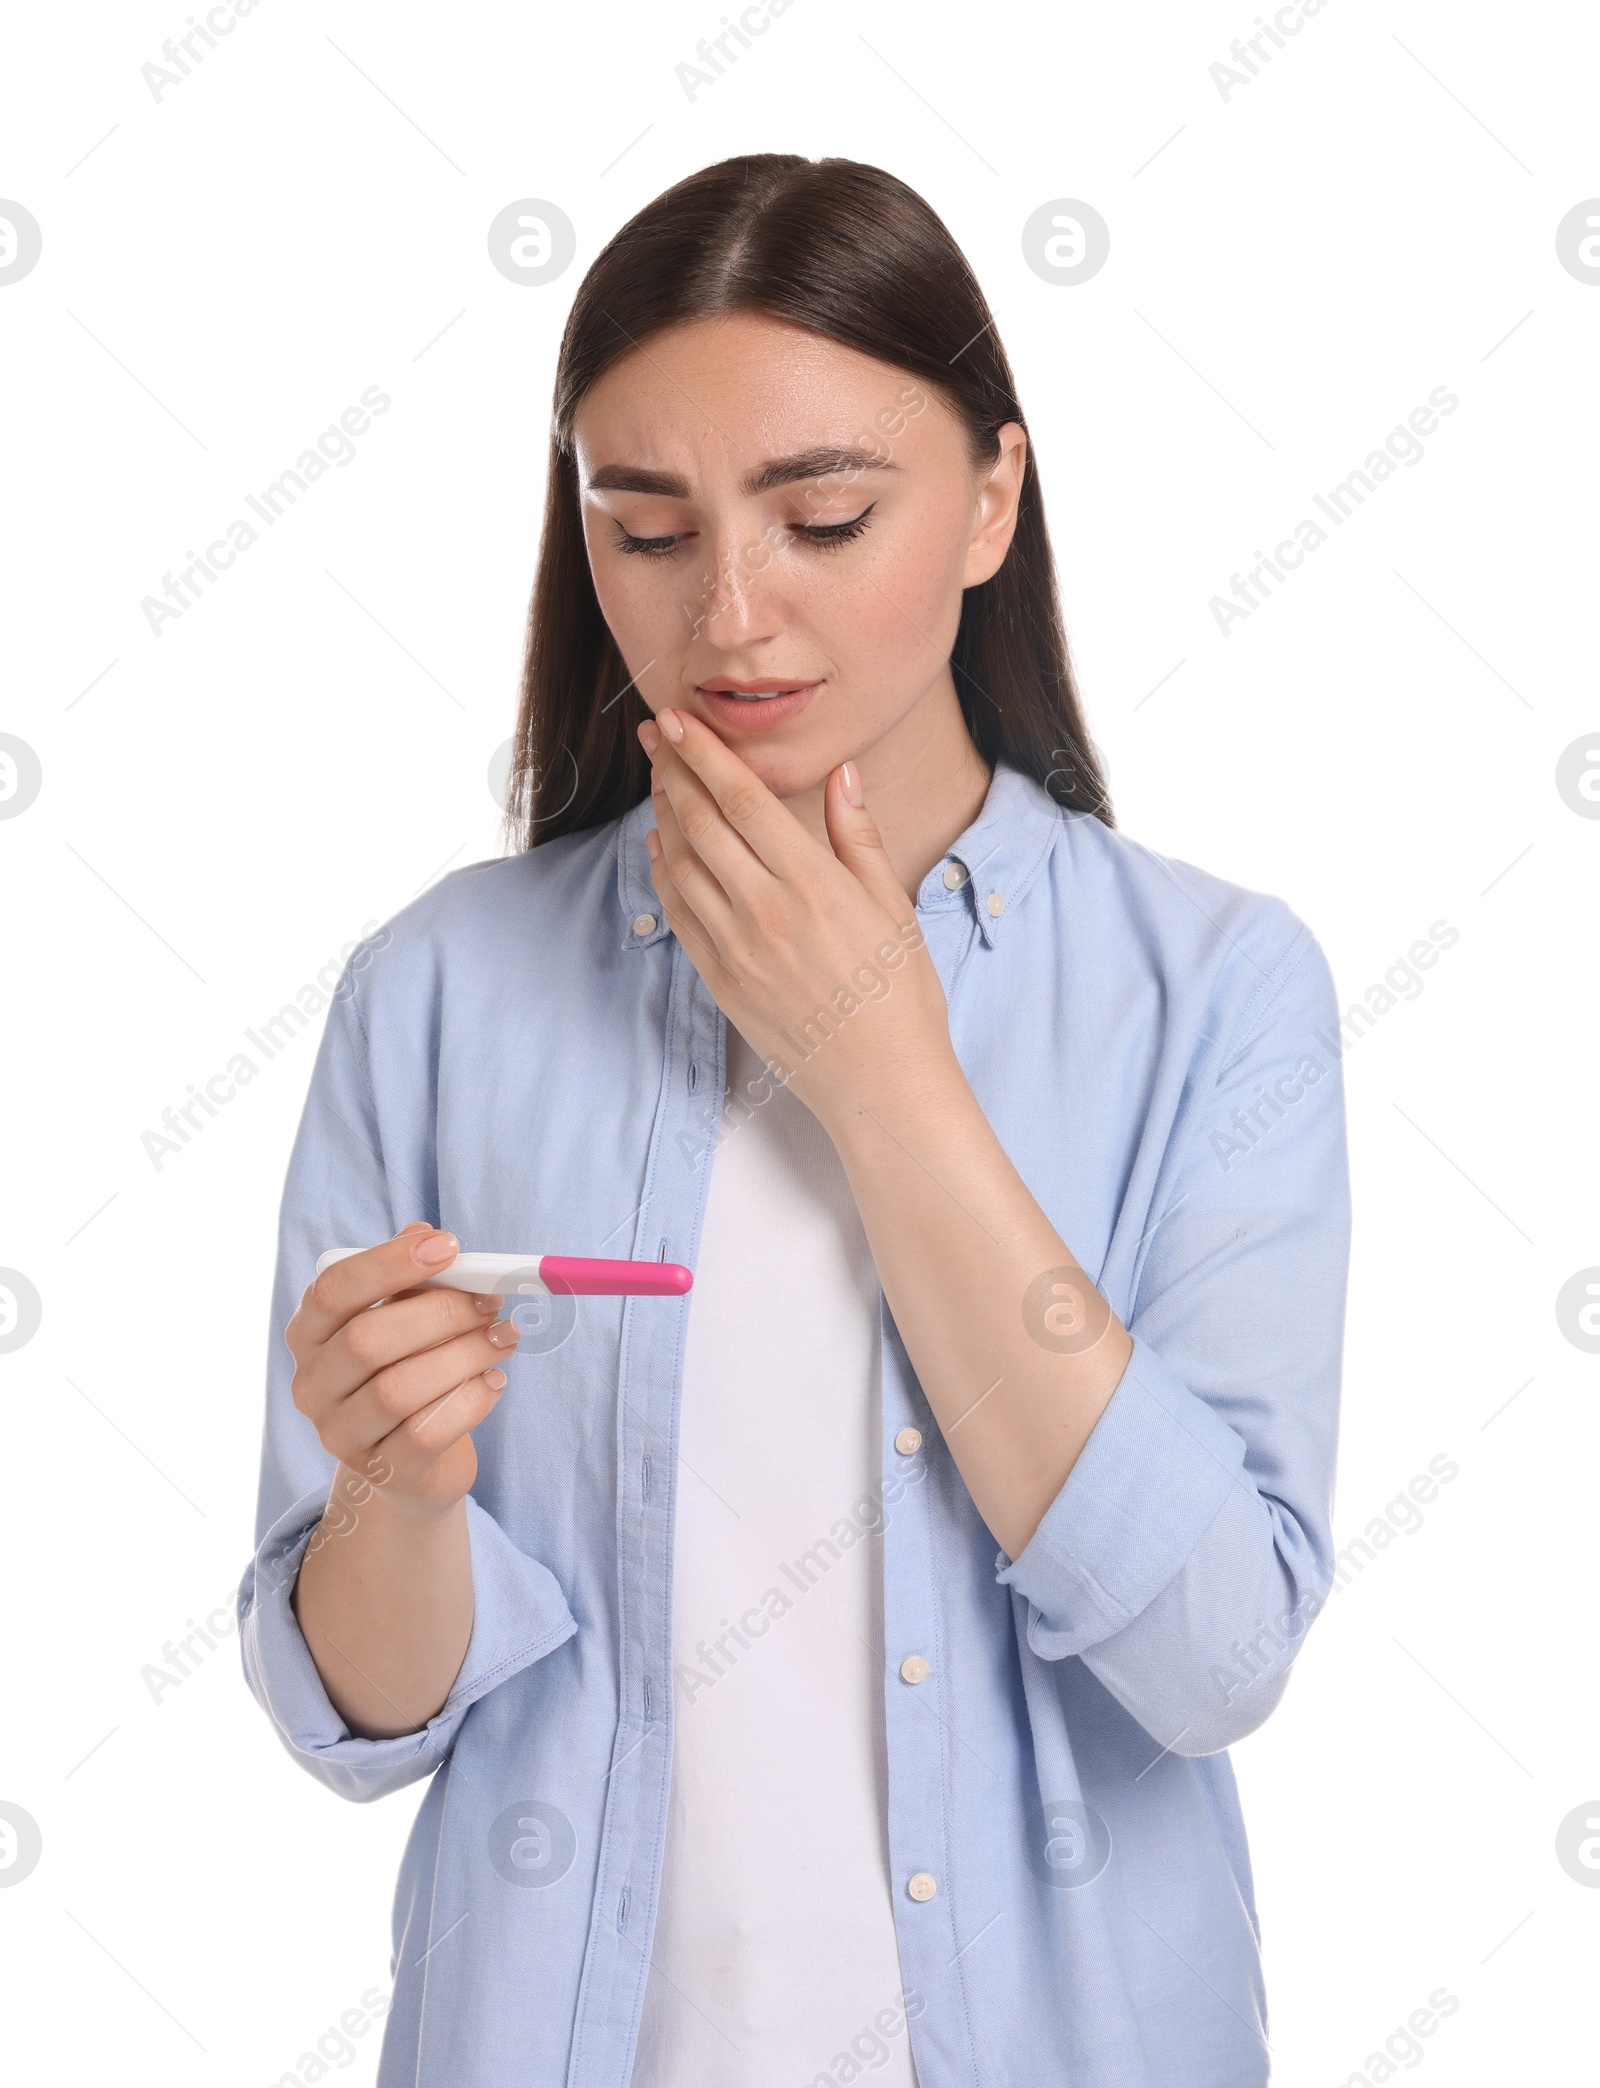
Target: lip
[{"x": 754, "y": 717}]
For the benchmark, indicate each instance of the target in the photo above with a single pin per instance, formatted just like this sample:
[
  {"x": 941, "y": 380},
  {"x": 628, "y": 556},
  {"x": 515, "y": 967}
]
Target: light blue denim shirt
[{"x": 525, "y": 1055}]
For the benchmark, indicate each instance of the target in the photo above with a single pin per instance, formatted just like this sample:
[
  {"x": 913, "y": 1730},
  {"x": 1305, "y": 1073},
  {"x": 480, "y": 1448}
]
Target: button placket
[{"x": 634, "y": 1821}]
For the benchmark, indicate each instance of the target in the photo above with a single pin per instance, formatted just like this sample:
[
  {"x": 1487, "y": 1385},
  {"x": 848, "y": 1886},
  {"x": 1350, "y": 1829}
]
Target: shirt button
[
  {"x": 644, "y": 924},
  {"x": 954, "y": 877},
  {"x": 908, "y": 1442},
  {"x": 995, "y": 904},
  {"x": 921, "y": 1885},
  {"x": 914, "y": 1668}
]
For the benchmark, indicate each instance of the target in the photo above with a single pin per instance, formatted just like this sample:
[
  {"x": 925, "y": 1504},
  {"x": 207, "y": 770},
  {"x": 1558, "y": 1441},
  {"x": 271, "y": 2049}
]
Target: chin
[{"x": 789, "y": 771}]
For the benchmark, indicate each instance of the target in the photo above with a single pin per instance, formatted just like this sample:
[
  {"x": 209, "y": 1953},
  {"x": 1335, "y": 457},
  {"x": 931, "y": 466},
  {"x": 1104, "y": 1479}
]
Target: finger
[
  {"x": 410, "y": 1324},
  {"x": 858, "y": 844},
  {"x": 417, "y": 1225},
  {"x": 403, "y": 1458},
  {"x": 706, "y": 891},
  {"x": 717, "y": 846},
  {"x": 428, "y": 1434},
  {"x": 394, "y": 1394},
  {"x": 683, "y": 921},
  {"x": 762, "y": 820},
  {"x": 349, "y": 1286}
]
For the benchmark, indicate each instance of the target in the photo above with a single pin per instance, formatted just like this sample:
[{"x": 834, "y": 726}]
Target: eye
[
  {"x": 821, "y": 534},
  {"x": 826, "y": 533},
  {"x": 647, "y": 547}
]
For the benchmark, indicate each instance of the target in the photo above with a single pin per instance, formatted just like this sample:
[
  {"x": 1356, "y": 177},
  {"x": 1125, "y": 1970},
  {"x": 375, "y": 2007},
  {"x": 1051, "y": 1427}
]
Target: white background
[{"x": 224, "y": 807}]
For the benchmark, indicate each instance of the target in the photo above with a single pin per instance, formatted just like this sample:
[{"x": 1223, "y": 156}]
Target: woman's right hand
[{"x": 394, "y": 1390}]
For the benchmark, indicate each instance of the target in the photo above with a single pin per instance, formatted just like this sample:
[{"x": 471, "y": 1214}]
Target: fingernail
[
  {"x": 850, "y": 783},
  {"x": 494, "y": 1379},
  {"x": 656, "y": 784},
  {"x": 435, "y": 1248},
  {"x": 505, "y": 1334},
  {"x": 484, "y": 1302},
  {"x": 652, "y": 842},
  {"x": 649, "y": 738},
  {"x": 671, "y": 724}
]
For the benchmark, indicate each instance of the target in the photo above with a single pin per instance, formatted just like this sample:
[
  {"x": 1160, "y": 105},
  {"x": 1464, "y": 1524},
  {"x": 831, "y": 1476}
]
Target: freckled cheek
[
  {"x": 642, "y": 614},
  {"x": 868, "y": 632},
  {"x": 903, "y": 613}
]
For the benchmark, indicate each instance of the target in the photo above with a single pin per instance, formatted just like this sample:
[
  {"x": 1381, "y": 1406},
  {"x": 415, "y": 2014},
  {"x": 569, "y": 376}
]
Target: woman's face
[{"x": 767, "y": 511}]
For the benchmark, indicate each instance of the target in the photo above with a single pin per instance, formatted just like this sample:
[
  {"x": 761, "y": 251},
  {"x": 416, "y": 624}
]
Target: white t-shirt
[{"x": 774, "y": 1942}]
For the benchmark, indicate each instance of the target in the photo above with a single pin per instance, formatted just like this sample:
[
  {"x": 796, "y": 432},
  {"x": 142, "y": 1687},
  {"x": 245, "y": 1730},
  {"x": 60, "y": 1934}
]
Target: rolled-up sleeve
[
  {"x": 1191, "y": 1545},
  {"x": 356, "y": 1175},
  {"x": 518, "y": 1615}
]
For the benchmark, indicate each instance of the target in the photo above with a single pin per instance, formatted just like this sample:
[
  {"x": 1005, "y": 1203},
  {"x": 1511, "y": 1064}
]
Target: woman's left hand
[{"x": 814, "y": 955}]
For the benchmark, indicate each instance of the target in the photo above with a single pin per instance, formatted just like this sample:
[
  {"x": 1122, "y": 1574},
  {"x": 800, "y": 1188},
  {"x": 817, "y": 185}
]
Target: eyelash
[{"x": 823, "y": 535}]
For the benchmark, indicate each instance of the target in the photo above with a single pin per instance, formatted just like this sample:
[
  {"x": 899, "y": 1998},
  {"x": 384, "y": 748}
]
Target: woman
[{"x": 830, "y": 1672}]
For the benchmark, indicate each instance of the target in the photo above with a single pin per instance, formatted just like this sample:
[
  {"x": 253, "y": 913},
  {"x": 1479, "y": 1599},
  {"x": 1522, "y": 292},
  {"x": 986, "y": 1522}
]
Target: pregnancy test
[{"x": 546, "y": 1275}]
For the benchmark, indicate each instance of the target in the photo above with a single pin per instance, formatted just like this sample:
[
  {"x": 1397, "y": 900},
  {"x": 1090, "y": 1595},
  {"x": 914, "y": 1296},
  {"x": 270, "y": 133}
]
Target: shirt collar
[{"x": 985, "y": 870}]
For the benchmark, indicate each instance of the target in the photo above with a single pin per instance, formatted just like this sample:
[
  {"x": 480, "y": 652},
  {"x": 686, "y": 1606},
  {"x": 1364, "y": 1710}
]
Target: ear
[{"x": 999, "y": 498}]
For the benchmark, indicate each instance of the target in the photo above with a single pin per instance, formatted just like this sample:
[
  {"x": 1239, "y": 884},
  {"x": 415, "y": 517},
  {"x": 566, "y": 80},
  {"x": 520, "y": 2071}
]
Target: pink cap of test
[{"x": 575, "y": 1276}]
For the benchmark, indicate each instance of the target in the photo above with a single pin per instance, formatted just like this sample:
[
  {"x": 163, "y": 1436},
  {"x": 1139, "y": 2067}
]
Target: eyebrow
[{"x": 802, "y": 467}]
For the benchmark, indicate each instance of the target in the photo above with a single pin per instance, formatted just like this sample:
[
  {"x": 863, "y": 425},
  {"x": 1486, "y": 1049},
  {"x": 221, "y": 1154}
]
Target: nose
[{"x": 738, "y": 605}]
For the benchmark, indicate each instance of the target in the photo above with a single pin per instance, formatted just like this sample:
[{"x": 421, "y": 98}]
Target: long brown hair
[{"x": 853, "y": 254}]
